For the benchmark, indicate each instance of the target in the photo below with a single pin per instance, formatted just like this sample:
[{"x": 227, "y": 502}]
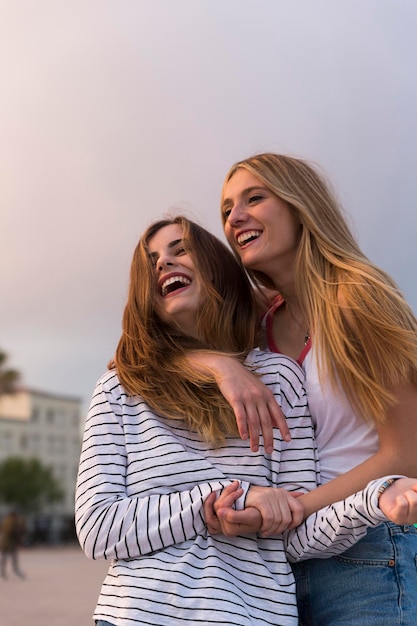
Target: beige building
[{"x": 45, "y": 426}]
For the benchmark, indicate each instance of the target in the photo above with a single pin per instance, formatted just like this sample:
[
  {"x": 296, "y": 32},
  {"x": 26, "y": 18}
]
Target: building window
[
  {"x": 35, "y": 443},
  {"x": 6, "y": 442}
]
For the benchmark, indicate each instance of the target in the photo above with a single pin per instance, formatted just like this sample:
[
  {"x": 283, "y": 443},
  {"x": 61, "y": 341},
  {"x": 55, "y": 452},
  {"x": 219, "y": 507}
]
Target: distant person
[
  {"x": 12, "y": 530},
  {"x": 155, "y": 447}
]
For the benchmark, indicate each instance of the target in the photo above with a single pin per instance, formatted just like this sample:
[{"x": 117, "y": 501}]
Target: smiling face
[
  {"x": 260, "y": 226},
  {"x": 178, "y": 286}
]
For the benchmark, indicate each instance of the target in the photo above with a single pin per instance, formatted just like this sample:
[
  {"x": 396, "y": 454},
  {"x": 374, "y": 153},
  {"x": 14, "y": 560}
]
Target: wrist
[
  {"x": 386, "y": 484},
  {"x": 240, "y": 503}
]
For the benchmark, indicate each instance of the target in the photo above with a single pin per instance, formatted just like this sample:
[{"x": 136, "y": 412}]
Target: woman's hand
[
  {"x": 268, "y": 510},
  {"x": 254, "y": 405},
  {"x": 279, "y": 509},
  {"x": 222, "y": 519},
  {"x": 226, "y": 500},
  {"x": 399, "y": 501}
]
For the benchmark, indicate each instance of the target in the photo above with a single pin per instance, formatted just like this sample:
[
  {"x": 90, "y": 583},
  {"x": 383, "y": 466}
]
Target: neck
[
  {"x": 293, "y": 311},
  {"x": 287, "y": 291},
  {"x": 296, "y": 317},
  {"x": 284, "y": 283}
]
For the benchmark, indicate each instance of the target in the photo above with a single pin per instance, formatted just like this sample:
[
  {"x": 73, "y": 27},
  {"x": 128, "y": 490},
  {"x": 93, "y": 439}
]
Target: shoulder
[
  {"x": 109, "y": 379},
  {"x": 109, "y": 386},
  {"x": 112, "y": 400}
]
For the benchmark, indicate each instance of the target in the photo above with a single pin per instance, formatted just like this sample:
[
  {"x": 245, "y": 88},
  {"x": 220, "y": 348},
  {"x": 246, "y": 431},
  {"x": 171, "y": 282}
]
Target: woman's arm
[
  {"x": 397, "y": 436},
  {"x": 254, "y": 405},
  {"x": 331, "y": 530},
  {"x": 336, "y": 528},
  {"x": 397, "y": 454},
  {"x": 123, "y": 527}
]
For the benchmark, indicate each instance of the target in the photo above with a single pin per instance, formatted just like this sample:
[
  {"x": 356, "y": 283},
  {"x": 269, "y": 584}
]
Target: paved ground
[{"x": 60, "y": 588}]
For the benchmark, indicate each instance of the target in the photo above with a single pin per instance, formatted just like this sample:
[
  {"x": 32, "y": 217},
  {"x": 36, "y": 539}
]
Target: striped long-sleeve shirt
[{"x": 141, "y": 486}]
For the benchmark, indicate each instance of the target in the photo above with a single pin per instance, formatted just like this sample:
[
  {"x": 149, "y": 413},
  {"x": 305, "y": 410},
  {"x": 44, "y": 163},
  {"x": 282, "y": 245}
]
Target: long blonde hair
[
  {"x": 364, "y": 330},
  {"x": 150, "y": 357}
]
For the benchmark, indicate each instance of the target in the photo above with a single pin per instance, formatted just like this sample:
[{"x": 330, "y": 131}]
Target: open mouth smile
[
  {"x": 247, "y": 237},
  {"x": 172, "y": 283}
]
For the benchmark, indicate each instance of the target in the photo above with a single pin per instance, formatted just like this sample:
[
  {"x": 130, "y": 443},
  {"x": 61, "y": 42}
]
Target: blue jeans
[
  {"x": 374, "y": 583},
  {"x": 101, "y": 622}
]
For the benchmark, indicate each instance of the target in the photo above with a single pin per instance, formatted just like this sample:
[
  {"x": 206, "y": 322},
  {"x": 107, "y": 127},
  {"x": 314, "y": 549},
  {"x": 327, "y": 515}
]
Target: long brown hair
[
  {"x": 365, "y": 331},
  {"x": 149, "y": 357}
]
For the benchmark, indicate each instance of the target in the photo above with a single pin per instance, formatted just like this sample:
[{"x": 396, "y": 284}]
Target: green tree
[
  {"x": 8, "y": 377},
  {"x": 28, "y": 484}
]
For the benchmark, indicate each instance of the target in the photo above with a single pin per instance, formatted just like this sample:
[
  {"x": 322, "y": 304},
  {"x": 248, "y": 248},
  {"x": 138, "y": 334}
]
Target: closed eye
[
  {"x": 255, "y": 198},
  {"x": 153, "y": 258}
]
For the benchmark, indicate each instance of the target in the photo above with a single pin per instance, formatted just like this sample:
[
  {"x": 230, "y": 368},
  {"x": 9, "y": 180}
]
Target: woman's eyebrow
[
  {"x": 174, "y": 243},
  {"x": 228, "y": 201},
  {"x": 171, "y": 244}
]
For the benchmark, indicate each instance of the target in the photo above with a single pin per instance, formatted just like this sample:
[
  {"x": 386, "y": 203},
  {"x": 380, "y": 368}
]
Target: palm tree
[{"x": 8, "y": 377}]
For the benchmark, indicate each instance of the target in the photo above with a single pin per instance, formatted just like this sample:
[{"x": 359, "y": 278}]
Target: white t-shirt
[{"x": 344, "y": 439}]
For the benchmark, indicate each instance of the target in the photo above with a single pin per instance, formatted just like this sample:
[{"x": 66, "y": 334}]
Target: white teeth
[
  {"x": 249, "y": 234},
  {"x": 171, "y": 280}
]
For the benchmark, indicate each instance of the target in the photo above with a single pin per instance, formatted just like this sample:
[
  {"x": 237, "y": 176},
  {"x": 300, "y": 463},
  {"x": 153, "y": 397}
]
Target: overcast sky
[{"x": 114, "y": 111}]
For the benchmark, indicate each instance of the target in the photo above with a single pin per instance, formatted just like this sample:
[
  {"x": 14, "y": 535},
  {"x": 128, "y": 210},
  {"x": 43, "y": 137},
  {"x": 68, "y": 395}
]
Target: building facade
[{"x": 44, "y": 426}]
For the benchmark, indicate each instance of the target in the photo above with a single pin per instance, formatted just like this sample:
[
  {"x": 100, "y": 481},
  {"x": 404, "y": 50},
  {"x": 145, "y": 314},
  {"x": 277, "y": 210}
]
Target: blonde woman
[
  {"x": 159, "y": 439},
  {"x": 345, "y": 321}
]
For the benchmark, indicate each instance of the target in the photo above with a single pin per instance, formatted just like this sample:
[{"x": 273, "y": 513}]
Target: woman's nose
[
  {"x": 236, "y": 215},
  {"x": 163, "y": 262}
]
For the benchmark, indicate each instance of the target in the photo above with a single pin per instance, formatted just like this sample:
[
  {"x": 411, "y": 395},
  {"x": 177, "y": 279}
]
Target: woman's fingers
[{"x": 254, "y": 405}]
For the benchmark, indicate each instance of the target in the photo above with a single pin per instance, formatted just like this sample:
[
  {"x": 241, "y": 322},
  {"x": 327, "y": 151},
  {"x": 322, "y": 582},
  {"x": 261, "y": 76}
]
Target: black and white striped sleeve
[{"x": 337, "y": 527}]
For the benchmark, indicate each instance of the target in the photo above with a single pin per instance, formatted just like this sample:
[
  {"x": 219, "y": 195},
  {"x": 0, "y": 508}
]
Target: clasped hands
[{"x": 268, "y": 511}]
